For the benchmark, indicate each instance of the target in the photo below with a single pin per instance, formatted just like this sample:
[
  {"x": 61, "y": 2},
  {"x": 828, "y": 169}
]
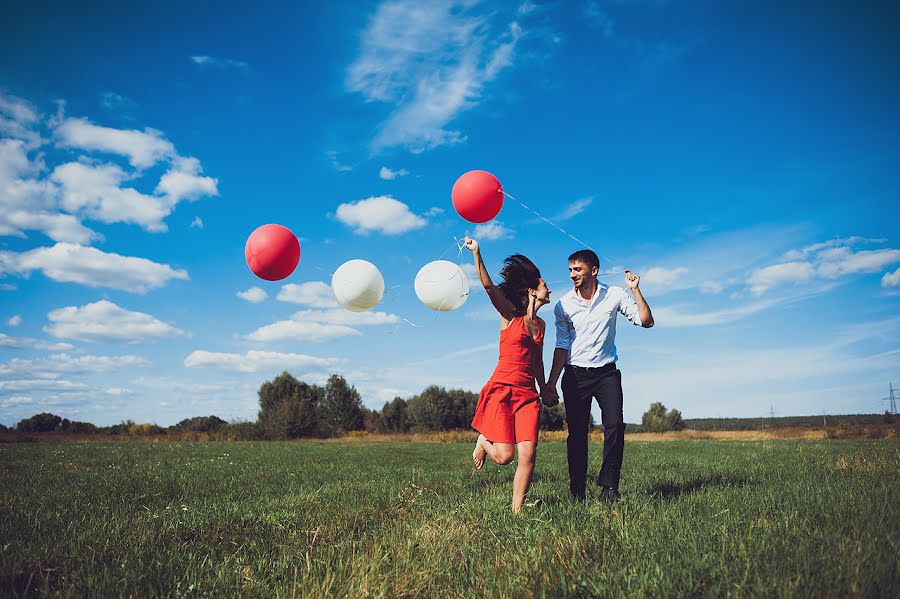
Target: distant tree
[
  {"x": 553, "y": 419},
  {"x": 888, "y": 417},
  {"x": 654, "y": 419},
  {"x": 674, "y": 421},
  {"x": 289, "y": 408},
  {"x": 463, "y": 407},
  {"x": 201, "y": 424},
  {"x": 39, "y": 423},
  {"x": 119, "y": 429},
  {"x": 243, "y": 431},
  {"x": 78, "y": 428},
  {"x": 341, "y": 409},
  {"x": 657, "y": 419},
  {"x": 3, "y": 427},
  {"x": 430, "y": 410},
  {"x": 372, "y": 421},
  {"x": 393, "y": 416}
]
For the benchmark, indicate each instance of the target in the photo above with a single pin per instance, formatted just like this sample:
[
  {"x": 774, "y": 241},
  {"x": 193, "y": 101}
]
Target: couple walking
[{"x": 508, "y": 410}]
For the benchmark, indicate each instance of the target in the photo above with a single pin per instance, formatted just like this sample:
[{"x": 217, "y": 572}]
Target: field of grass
[{"x": 393, "y": 519}]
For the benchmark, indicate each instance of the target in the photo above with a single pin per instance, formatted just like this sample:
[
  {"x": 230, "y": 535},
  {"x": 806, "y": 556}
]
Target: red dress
[{"x": 508, "y": 409}]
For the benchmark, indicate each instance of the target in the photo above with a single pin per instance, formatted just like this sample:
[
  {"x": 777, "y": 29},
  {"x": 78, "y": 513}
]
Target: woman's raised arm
[{"x": 500, "y": 301}]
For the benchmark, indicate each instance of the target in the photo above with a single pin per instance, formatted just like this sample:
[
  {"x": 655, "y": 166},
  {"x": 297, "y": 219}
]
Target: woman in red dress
[{"x": 508, "y": 410}]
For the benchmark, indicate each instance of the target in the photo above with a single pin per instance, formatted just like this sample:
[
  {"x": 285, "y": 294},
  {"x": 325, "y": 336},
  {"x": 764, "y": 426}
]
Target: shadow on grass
[{"x": 671, "y": 490}]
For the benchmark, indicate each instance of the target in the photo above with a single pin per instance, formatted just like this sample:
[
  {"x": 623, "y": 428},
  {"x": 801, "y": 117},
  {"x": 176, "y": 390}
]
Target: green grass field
[{"x": 392, "y": 519}]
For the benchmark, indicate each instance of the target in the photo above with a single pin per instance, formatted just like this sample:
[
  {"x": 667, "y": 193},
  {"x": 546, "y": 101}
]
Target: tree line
[{"x": 290, "y": 409}]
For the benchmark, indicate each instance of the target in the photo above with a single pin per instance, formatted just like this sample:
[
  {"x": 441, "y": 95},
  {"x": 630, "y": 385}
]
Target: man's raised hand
[{"x": 632, "y": 279}]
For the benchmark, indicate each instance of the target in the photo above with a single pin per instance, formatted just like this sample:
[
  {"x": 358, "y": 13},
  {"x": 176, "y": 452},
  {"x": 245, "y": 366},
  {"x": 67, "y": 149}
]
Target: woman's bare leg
[
  {"x": 479, "y": 452},
  {"x": 502, "y": 453},
  {"x": 524, "y": 471}
]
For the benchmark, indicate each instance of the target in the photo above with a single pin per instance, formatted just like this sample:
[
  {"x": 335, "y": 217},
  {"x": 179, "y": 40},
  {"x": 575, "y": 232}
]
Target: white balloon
[
  {"x": 357, "y": 285},
  {"x": 442, "y": 285}
]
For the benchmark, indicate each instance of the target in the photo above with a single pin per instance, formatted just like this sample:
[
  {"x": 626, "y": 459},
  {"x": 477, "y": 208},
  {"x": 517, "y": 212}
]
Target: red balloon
[
  {"x": 477, "y": 196},
  {"x": 272, "y": 252}
]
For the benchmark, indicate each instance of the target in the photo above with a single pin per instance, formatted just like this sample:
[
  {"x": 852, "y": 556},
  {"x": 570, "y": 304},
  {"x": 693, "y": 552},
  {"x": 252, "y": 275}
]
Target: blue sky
[{"x": 741, "y": 156}]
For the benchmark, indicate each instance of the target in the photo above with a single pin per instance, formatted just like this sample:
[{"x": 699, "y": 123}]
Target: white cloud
[
  {"x": 142, "y": 148},
  {"x": 95, "y": 191},
  {"x": 20, "y": 385},
  {"x": 292, "y": 330},
  {"x": 659, "y": 280},
  {"x": 843, "y": 261},
  {"x": 17, "y": 120},
  {"x": 321, "y": 325},
  {"x": 493, "y": 230},
  {"x": 675, "y": 317},
  {"x": 254, "y": 295},
  {"x": 831, "y": 259},
  {"x": 763, "y": 279},
  {"x": 679, "y": 316},
  {"x": 815, "y": 248},
  {"x": 197, "y": 223},
  {"x": 89, "y": 266},
  {"x": 891, "y": 279},
  {"x": 333, "y": 158},
  {"x": 14, "y": 320},
  {"x": 431, "y": 62},
  {"x": 16, "y": 400},
  {"x": 27, "y": 342},
  {"x": 28, "y": 202},
  {"x": 573, "y": 209},
  {"x": 53, "y": 365},
  {"x": 345, "y": 317},
  {"x": 219, "y": 63},
  {"x": 313, "y": 293},
  {"x": 389, "y": 175},
  {"x": 105, "y": 322},
  {"x": 54, "y": 201},
  {"x": 383, "y": 214},
  {"x": 255, "y": 361},
  {"x": 183, "y": 182}
]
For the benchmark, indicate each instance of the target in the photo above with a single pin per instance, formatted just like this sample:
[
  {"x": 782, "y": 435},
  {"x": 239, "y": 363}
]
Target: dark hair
[
  {"x": 519, "y": 275},
  {"x": 586, "y": 256}
]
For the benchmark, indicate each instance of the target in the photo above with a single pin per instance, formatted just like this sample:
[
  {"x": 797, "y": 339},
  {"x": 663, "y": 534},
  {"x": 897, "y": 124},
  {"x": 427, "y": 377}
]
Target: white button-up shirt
[{"x": 588, "y": 328}]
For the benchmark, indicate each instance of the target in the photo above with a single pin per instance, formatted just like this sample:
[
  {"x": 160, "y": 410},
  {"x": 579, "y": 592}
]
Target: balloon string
[
  {"x": 552, "y": 224},
  {"x": 397, "y": 324},
  {"x": 454, "y": 244}
]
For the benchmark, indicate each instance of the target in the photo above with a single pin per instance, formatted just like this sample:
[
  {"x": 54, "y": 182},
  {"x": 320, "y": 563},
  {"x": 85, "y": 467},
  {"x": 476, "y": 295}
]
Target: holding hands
[
  {"x": 470, "y": 244},
  {"x": 549, "y": 396}
]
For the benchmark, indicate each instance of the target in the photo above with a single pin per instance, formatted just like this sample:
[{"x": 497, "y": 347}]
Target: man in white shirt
[{"x": 585, "y": 345}]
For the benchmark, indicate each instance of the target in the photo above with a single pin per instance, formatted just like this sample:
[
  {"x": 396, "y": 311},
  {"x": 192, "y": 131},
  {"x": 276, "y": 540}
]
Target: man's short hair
[{"x": 586, "y": 256}]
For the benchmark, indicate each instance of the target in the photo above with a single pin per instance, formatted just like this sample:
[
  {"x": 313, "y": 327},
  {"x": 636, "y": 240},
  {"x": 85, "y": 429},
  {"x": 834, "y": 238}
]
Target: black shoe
[
  {"x": 578, "y": 496},
  {"x": 610, "y": 495}
]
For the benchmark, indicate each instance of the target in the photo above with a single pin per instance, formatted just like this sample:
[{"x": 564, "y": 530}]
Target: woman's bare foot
[{"x": 479, "y": 453}]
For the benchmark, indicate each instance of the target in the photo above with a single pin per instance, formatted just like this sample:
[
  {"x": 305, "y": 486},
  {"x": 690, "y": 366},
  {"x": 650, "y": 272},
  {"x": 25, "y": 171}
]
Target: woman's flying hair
[{"x": 519, "y": 275}]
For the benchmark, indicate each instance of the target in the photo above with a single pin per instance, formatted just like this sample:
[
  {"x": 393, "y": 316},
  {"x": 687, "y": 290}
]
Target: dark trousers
[{"x": 579, "y": 386}]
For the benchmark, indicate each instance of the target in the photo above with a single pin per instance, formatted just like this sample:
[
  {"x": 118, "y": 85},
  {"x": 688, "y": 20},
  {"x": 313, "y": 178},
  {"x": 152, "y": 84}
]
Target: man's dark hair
[
  {"x": 586, "y": 256},
  {"x": 519, "y": 275}
]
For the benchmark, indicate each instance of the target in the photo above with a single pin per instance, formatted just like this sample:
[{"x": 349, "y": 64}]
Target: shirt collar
[{"x": 573, "y": 294}]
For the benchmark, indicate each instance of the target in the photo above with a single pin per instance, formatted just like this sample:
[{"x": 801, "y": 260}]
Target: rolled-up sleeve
[
  {"x": 628, "y": 307},
  {"x": 563, "y": 327}
]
